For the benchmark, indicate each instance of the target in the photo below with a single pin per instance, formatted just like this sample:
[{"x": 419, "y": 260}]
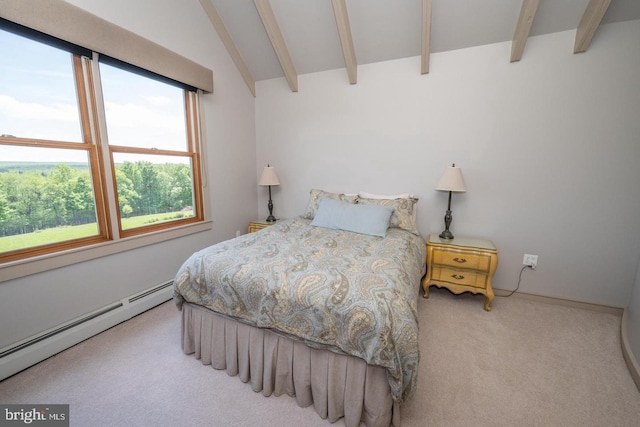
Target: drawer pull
[
  {"x": 457, "y": 276},
  {"x": 460, "y": 260}
]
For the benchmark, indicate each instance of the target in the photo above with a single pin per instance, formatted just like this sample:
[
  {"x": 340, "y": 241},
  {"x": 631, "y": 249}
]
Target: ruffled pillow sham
[{"x": 314, "y": 200}]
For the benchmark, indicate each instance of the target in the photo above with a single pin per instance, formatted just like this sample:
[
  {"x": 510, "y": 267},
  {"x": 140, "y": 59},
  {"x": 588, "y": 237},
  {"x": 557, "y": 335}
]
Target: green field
[
  {"x": 49, "y": 235},
  {"x": 61, "y": 234}
]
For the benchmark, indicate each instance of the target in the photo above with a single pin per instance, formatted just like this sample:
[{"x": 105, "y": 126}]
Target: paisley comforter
[{"x": 346, "y": 292}]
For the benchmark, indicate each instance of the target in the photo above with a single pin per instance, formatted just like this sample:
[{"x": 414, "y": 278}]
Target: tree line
[{"x": 36, "y": 200}]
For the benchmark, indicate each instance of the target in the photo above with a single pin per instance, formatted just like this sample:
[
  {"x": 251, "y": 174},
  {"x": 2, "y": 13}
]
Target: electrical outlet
[
  {"x": 237, "y": 233},
  {"x": 530, "y": 260}
]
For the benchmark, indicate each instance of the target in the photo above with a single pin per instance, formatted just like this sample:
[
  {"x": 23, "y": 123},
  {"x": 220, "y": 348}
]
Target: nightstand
[
  {"x": 258, "y": 225},
  {"x": 461, "y": 265}
]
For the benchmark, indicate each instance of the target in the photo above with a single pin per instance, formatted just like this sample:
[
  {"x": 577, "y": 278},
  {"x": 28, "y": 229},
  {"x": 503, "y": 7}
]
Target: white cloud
[
  {"x": 160, "y": 101},
  {"x": 56, "y": 121},
  {"x": 136, "y": 125},
  {"x": 15, "y": 109}
]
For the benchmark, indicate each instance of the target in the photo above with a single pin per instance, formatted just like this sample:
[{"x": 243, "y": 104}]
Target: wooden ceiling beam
[
  {"x": 426, "y": 35},
  {"x": 346, "y": 40},
  {"x": 277, "y": 41},
  {"x": 589, "y": 23},
  {"x": 224, "y": 35},
  {"x": 520, "y": 36}
]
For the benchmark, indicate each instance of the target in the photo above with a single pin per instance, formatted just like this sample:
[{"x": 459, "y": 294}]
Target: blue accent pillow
[{"x": 364, "y": 219}]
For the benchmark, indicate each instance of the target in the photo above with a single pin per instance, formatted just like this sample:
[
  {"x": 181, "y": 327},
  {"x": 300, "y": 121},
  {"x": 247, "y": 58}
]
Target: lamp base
[
  {"x": 270, "y": 218},
  {"x": 446, "y": 234}
]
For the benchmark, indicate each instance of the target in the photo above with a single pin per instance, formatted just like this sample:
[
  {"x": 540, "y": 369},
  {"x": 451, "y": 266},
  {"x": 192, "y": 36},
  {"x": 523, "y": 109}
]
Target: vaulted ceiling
[{"x": 276, "y": 38}]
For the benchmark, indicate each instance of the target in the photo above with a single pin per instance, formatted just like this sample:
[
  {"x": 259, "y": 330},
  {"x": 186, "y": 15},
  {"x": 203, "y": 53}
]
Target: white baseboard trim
[
  {"x": 629, "y": 357},
  {"x": 563, "y": 302},
  {"x": 32, "y": 350}
]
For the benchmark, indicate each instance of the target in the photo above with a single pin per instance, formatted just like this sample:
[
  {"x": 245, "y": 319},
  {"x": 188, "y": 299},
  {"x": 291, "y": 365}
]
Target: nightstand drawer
[
  {"x": 253, "y": 227},
  {"x": 258, "y": 225},
  {"x": 459, "y": 259},
  {"x": 458, "y": 277}
]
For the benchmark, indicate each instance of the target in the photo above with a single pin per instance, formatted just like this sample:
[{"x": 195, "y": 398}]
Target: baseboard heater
[
  {"x": 148, "y": 292},
  {"x": 56, "y": 331},
  {"x": 32, "y": 350}
]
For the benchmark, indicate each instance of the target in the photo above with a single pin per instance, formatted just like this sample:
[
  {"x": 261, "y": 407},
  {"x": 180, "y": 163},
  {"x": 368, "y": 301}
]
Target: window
[
  {"x": 77, "y": 168},
  {"x": 152, "y": 149}
]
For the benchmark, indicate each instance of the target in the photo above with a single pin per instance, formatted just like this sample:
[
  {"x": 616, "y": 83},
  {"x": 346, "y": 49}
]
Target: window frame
[
  {"x": 191, "y": 117},
  {"x": 110, "y": 238}
]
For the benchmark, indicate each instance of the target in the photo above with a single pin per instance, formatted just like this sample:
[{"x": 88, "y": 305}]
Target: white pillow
[{"x": 381, "y": 196}]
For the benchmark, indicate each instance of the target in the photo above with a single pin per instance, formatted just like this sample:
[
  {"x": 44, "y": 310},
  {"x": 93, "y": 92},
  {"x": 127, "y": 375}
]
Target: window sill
[{"x": 25, "y": 267}]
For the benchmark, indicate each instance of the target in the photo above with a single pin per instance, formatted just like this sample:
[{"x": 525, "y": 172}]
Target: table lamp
[
  {"x": 269, "y": 178},
  {"x": 451, "y": 181}
]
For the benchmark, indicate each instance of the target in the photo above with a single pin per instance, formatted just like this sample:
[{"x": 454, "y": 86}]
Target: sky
[{"x": 38, "y": 100}]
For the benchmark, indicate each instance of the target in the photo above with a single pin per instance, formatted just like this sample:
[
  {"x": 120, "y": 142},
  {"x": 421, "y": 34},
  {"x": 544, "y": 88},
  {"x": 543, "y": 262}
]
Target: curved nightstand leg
[
  {"x": 425, "y": 287},
  {"x": 487, "y": 301}
]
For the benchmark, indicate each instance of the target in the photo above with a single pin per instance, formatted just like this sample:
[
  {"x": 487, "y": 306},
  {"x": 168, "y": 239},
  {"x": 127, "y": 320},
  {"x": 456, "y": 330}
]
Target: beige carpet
[{"x": 523, "y": 364}]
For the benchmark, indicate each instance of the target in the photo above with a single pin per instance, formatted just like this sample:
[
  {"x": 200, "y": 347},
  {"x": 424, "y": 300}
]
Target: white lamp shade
[
  {"x": 269, "y": 176},
  {"x": 451, "y": 180}
]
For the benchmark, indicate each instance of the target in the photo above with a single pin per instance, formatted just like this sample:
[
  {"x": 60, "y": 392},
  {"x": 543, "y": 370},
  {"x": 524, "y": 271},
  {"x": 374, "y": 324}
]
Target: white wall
[
  {"x": 633, "y": 318},
  {"x": 38, "y": 302},
  {"x": 549, "y": 148}
]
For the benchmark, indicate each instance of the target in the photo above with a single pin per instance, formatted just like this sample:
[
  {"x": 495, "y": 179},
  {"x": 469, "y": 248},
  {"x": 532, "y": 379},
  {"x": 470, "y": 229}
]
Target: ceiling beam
[
  {"x": 346, "y": 40},
  {"x": 426, "y": 35},
  {"x": 520, "y": 36},
  {"x": 277, "y": 41},
  {"x": 589, "y": 23},
  {"x": 224, "y": 35}
]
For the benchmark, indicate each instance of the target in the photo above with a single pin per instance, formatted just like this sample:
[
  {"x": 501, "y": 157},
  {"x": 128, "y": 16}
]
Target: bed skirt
[{"x": 339, "y": 386}]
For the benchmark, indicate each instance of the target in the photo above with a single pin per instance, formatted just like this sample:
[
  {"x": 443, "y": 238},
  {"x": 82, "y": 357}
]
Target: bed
[{"x": 309, "y": 308}]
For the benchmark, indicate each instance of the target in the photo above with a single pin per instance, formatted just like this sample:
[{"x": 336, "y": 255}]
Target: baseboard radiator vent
[
  {"x": 148, "y": 292},
  {"x": 28, "y": 352},
  {"x": 59, "y": 329}
]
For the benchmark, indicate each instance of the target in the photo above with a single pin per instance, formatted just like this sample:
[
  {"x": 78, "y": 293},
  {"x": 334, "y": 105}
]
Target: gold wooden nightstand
[
  {"x": 258, "y": 225},
  {"x": 461, "y": 265}
]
